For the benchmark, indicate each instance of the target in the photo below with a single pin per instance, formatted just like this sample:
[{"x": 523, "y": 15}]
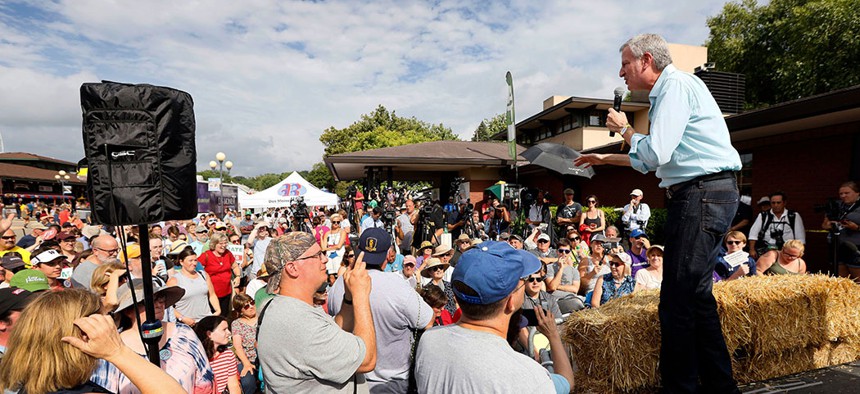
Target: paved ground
[{"x": 843, "y": 378}]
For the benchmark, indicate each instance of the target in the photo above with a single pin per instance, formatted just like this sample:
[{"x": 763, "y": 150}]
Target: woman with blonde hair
[
  {"x": 787, "y": 261},
  {"x": 106, "y": 280},
  {"x": 56, "y": 345},
  {"x": 333, "y": 244},
  {"x": 219, "y": 263}
]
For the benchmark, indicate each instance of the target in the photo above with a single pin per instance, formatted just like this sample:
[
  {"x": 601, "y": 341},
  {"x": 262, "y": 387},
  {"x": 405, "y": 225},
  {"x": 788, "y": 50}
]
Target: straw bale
[
  {"x": 772, "y": 314},
  {"x": 773, "y": 326},
  {"x": 769, "y": 366},
  {"x": 617, "y": 344}
]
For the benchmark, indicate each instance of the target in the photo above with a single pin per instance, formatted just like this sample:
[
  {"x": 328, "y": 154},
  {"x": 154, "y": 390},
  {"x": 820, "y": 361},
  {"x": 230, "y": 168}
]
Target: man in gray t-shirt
[
  {"x": 300, "y": 348},
  {"x": 473, "y": 356},
  {"x": 397, "y": 310}
]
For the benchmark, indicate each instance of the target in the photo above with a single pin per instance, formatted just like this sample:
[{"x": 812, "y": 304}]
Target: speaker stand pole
[{"x": 151, "y": 329}]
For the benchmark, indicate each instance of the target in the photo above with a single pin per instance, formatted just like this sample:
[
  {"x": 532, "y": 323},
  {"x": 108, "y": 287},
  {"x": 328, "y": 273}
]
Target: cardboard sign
[
  {"x": 238, "y": 253},
  {"x": 737, "y": 258}
]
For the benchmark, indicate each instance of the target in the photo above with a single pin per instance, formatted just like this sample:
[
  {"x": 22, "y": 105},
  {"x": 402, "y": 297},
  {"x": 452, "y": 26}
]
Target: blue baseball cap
[
  {"x": 638, "y": 233},
  {"x": 493, "y": 271},
  {"x": 374, "y": 242}
]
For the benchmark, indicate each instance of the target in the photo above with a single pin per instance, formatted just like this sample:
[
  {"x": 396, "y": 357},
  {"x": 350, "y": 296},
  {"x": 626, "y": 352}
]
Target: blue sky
[{"x": 267, "y": 77}]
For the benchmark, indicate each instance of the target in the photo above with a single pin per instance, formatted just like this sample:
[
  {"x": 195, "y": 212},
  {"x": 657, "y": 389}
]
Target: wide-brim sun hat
[
  {"x": 427, "y": 269},
  {"x": 171, "y": 294}
]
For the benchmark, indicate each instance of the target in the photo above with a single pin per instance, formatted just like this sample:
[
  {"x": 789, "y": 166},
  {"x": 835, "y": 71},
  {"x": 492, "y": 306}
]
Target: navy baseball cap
[
  {"x": 493, "y": 271},
  {"x": 374, "y": 242},
  {"x": 638, "y": 233}
]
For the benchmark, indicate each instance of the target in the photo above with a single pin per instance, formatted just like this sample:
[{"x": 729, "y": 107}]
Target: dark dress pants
[{"x": 693, "y": 355}]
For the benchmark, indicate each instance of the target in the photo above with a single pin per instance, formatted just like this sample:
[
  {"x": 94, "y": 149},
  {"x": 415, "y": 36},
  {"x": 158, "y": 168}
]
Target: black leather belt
[{"x": 704, "y": 178}]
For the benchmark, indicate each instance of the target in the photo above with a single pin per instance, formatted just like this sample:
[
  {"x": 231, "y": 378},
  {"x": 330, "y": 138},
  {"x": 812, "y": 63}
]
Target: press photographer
[
  {"x": 842, "y": 219},
  {"x": 771, "y": 230}
]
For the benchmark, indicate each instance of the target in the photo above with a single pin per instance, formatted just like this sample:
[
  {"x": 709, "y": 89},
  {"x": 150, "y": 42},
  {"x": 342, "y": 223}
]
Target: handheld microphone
[{"x": 616, "y": 104}]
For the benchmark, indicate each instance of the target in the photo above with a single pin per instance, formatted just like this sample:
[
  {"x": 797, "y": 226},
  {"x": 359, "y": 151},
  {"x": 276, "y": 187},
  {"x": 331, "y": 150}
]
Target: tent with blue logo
[{"x": 285, "y": 192}]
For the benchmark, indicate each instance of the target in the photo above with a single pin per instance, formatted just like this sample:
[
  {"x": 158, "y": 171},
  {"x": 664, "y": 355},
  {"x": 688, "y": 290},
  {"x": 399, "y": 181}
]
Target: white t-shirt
[{"x": 648, "y": 279}]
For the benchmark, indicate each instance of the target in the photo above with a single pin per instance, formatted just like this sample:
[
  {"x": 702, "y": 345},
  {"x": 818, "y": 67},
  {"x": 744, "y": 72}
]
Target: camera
[
  {"x": 777, "y": 238},
  {"x": 832, "y": 209}
]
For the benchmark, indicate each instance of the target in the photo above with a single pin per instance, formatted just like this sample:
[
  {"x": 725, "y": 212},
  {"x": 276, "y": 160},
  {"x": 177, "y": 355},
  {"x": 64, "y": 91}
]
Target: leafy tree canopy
[
  {"x": 489, "y": 127},
  {"x": 382, "y": 129},
  {"x": 787, "y": 49}
]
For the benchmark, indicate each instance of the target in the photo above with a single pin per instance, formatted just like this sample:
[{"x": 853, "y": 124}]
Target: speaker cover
[{"x": 139, "y": 145}]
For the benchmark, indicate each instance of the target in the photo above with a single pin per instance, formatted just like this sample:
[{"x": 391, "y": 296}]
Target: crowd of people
[{"x": 215, "y": 278}]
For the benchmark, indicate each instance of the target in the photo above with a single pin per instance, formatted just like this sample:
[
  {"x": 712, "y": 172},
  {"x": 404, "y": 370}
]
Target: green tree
[
  {"x": 382, "y": 129},
  {"x": 320, "y": 177},
  {"x": 206, "y": 174},
  {"x": 787, "y": 49},
  {"x": 489, "y": 127}
]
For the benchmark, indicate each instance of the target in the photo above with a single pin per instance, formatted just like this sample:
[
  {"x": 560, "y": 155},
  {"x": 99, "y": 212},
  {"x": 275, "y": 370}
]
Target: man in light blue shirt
[{"x": 690, "y": 149}]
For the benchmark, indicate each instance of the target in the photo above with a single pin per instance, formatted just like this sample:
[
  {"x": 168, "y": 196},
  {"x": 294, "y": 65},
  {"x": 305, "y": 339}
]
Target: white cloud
[{"x": 268, "y": 77}]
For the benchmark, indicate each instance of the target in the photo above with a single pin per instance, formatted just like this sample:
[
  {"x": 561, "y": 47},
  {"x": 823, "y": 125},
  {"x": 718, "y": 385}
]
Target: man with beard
[{"x": 105, "y": 248}]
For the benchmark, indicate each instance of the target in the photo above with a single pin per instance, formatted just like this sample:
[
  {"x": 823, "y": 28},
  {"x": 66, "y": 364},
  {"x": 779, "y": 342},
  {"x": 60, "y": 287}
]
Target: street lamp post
[
  {"x": 221, "y": 157},
  {"x": 61, "y": 178}
]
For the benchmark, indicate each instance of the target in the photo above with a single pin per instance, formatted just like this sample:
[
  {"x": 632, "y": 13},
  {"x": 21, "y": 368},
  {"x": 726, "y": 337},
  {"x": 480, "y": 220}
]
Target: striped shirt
[{"x": 224, "y": 366}]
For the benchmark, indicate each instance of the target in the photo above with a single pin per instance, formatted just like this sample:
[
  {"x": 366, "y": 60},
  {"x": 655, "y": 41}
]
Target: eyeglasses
[
  {"x": 316, "y": 255},
  {"x": 614, "y": 264},
  {"x": 108, "y": 251},
  {"x": 532, "y": 279},
  {"x": 734, "y": 242},
  {"x": 248, "y": 305},
  {"x": 565, "y": 251},
  {"x": 9, "y": 237},
  {"x": 791, "y": 256}
]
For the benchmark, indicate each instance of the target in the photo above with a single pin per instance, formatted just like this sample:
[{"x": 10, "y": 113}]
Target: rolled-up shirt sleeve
[{"x": 670, "y": 113}]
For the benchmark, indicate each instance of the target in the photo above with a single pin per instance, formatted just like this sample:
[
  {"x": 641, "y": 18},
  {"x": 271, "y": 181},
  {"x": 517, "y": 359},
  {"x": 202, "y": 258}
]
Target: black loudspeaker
[{"x": 139, "y": 146}]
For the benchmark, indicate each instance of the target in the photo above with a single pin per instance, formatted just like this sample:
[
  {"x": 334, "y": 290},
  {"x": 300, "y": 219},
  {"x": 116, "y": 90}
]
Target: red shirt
[{"x": 219, "y": 269}]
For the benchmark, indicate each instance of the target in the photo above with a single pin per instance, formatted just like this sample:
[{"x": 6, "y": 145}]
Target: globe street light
[
  {"x": 61, "y": 177},
  {"x": 221, "y": 157}
]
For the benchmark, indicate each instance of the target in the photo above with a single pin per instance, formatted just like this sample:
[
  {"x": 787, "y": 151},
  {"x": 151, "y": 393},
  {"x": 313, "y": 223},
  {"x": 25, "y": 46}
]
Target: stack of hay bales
[{"x": 773, "y": 326}]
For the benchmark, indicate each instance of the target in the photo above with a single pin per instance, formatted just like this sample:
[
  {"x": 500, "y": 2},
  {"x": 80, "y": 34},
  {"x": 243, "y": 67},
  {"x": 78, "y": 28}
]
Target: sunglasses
[
  {"x": 592, "y": 202},
  {"x": 248, "y": 305},
  {"x": 533, "y": 279},
  {"x": 574, "y": 239},
  {"x": 543, "y": 241},
  {"x": 565, "y": 251},
  {"x": 351, "y": 255},
  {"x": 235, "y": 241},
  {"x": 437, "y": 268},
  {"x": 335, "y": 222},
  {"x": 614, "y": 264},
  {"x": 220, "y": 228},
  {"x": 734, "y": 242},
  {"x": 9, "y": 237},
  {"x": 108, "y": 251}
]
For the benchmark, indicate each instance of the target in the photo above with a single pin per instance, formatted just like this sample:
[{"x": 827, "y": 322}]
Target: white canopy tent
[{"x": 283, "y": 194}]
